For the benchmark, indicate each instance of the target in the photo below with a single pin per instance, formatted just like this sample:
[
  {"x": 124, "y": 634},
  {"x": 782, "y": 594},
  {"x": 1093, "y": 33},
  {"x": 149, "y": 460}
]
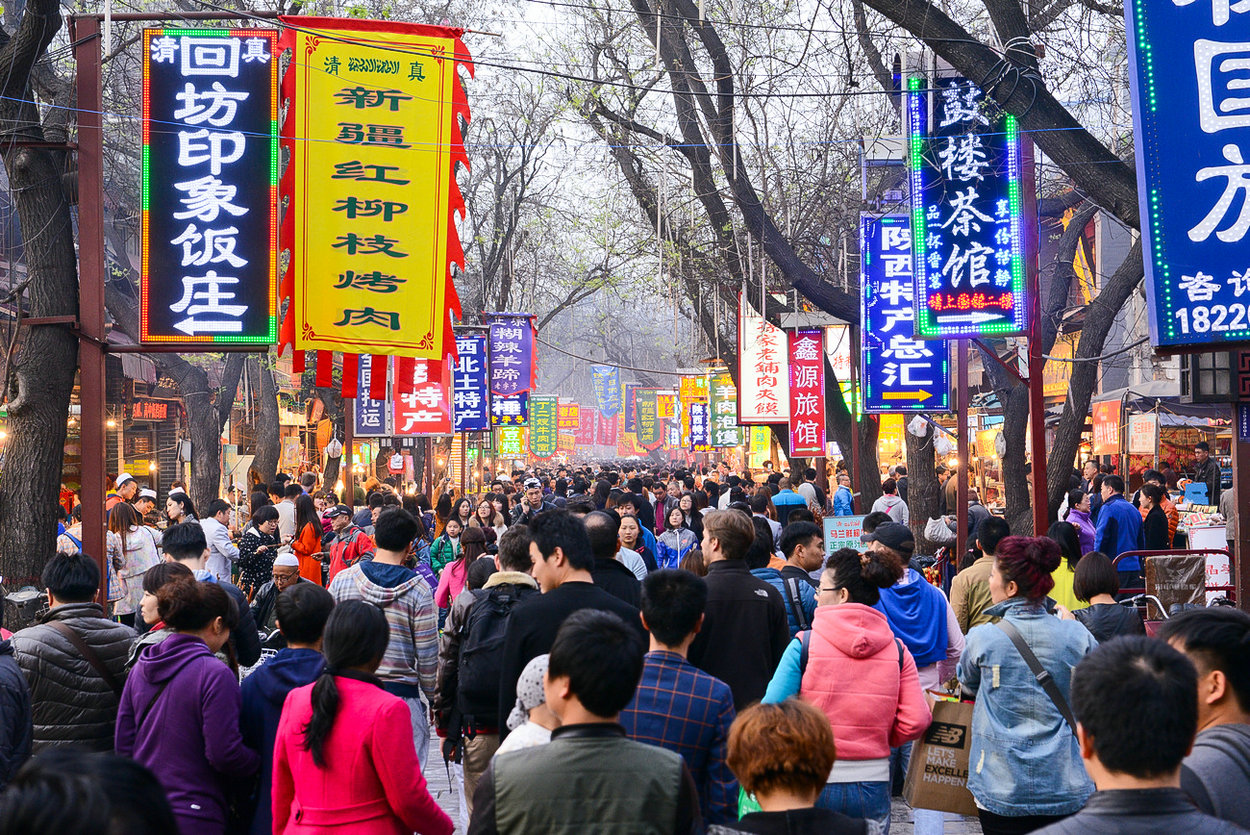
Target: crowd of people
[{"x": 604, "y": 649}]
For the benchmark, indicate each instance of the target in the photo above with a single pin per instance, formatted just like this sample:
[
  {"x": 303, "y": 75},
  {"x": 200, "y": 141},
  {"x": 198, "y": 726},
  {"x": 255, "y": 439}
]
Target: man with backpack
[
  {"x": 349, "y": 544},
  {"x": 471, "y": 661}
]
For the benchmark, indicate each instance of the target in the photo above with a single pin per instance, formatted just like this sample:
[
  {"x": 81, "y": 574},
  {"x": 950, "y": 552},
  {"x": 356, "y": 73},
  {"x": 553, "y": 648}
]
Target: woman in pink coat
[
  {"x": 344, "y": 759},
  {"x": 455, "y": 576}
]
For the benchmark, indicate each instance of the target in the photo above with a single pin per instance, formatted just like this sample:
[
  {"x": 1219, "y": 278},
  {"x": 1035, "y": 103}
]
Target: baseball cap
[
  {"x": 531, "y": 483},
  {"x": 893, "y": 535},
  {"x": 339, "y": 510}
]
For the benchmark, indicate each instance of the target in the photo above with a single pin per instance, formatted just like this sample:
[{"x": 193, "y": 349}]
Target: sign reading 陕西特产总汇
[
  {"x": 209, "y": 235},
  {"x": 1190, "y": 74}
]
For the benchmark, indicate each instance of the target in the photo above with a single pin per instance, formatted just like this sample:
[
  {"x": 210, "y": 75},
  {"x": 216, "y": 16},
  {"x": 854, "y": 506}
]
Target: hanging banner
[
  {"x": 700, "y": 428},
  {"x": 470, "y": 389},
  {"x": 1143, "y": 434},
  {"x": 586, "y": 427},
  {"x": 631, "y": 413},
  {"x": 1189, "y": 68},
  {"x": 209, "y": 222},
  {"x": 841, "y": 355},
  {"x": 763, "y": 370},
  {"x": 761, "y": 445},
  {"x": 650, "y": 429},
  {"x": 607, "y": 381},
  {"x": 693, "y": 388},
  {"x": 374, "y": 138},
  {"x": 510, "y": 441},
  {"x": 964, "y": 170},
  {"x": 1106, "y": 428},
  {"x": 543, "y": 422},
  {"x": 607, "y": 433},
  {"x": 568, "y": 415},
  {"x": 666, "y": 405},
  {"x": 723, "y": 405},
  {"x": 807, "y": 393},
  {"x": 512, "y": 354},
  {"x": 899, "y": 373},
  {"x": 371, "y": 418},
  {"x": 422, "y": 402}
]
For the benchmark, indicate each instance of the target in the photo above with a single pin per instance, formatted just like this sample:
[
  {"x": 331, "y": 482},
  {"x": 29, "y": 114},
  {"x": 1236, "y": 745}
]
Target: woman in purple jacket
[{"x": 179, "y": 713}]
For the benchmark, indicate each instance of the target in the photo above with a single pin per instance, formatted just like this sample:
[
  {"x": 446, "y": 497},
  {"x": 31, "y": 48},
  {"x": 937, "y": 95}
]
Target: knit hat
[{"x": 529, "y": 691}]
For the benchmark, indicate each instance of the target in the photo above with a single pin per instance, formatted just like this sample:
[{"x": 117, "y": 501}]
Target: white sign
[
  {"x": 1143, "y": 431},
  {"x": 763, "y": 370}
]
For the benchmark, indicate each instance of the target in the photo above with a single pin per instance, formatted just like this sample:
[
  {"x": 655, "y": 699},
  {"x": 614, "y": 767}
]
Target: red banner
[
  {"x": 807, "y": 393},
  {"x": 421, "y": 397},
  {"x": 586, "y": 427},
  {"x": 606, "y": 432}
]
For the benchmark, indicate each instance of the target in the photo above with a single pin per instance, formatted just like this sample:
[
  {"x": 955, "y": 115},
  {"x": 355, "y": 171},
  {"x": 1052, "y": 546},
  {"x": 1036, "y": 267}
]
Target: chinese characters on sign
[
  {"x": 586, "y": 426},
  {"x": 723, "y": 404},
  {"x": 470, "y": 392},
  {"x": 965, "y": 191},
  {"x": 209, "y": 233},
  {"x": 1193, "y": 165},
  {"x": 510, "y": 441},
  {"x": 899, "y": 372},
  {"x": 607, "y": 381},
  {"x": 372, "y": 418},
  {"x": 1106, "y": 428},
  {"x": 631, "y": 419},
  {"x": 1143, "y": 434},
  {"x": 543, "y": 427},
  {"x": 607, "y": 434},
  {"x": 650, "y": 429},
  {"x": 807, "y": 393},
  {"x": 762, "y": 369},
  {"x": 419, "y": 392},
  {"x": 570, "y": 414},
  {"x": 148, "y": 410},
  {"x": 700, "y": 428},
  {"x": 511, "y": 367}
]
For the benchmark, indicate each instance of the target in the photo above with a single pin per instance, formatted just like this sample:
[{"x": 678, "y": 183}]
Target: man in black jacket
[
  {"x": 16, "y": 729},
  {"x": 1136, "y": 717},
  {"x": 1207, "y": 471},
  {"x": 745, "y": 630},
  {"x": 609, "y": 573}
]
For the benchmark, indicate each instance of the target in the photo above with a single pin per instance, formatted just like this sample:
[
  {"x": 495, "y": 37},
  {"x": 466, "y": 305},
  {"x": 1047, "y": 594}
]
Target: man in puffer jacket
[
  {"x": 74, "y": 702},
  {"x": 15, "y": 725}
]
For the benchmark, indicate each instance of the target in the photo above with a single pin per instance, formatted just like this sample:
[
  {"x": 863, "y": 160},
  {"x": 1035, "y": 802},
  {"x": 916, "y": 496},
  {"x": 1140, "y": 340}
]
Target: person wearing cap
[
  {"x": 145, "y": 505},
  {"x": 533, "y": 504},
  {"x": 350, "y": 543},
  {"x": 531, "y": 722},
  {"x": 125, "y": 490},
  {"x": 285, "y": 574}
]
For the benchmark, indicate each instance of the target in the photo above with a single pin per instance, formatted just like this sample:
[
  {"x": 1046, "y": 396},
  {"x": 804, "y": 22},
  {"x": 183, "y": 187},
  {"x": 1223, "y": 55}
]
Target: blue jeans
[{"x": 859, "y": 800}]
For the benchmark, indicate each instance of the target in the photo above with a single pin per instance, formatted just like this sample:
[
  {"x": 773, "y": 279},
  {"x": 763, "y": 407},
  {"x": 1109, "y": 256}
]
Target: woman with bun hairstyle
[
  {"x": 1026, "y": 769},
  {"x": 864, "y": 679},
  {"x": 179, "y": 712},
  {"x": 344, "y": 758}
]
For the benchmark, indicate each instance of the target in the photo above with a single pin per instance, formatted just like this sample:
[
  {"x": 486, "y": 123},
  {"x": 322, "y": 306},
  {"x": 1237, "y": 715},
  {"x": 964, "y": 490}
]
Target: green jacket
[{"x": 443, "y": 552}]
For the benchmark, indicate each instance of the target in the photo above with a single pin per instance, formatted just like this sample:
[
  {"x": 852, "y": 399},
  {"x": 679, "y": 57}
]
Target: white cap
[
  {"x": 147, "y": 494},
  {"x": 122, "y": 478},
  {"x": 287, "y": 559}
]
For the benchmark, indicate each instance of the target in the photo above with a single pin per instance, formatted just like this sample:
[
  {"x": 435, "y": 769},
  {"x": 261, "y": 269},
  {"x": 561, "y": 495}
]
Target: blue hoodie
[
  {"x": 264, "y": 693},
  {"x": 916, "y": 611}
]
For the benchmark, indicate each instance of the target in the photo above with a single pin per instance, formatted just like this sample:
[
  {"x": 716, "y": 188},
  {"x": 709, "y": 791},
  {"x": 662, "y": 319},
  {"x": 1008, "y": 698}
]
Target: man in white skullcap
[{"x": 285, "y": 574}]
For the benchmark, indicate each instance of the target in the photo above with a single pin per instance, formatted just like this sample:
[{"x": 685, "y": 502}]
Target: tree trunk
[
  {"x": 267, "y": 432},
  {"x": 923, "y": 489}
]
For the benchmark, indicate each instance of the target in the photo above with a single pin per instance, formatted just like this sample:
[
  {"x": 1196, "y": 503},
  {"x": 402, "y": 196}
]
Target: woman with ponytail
[
  {"x": 179, "y": 712},
  {"x": 864, "y": 679},
  {"x": 344, "y": 757},
  {"x": 1026, "y": 764}
]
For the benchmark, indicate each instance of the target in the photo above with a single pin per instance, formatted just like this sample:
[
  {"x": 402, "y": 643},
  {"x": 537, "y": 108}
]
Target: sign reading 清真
[
  {"x": 807, "y": 393},
  {"x": 209, "y": 233},
  {"x": 900, "y": 373},
  {"x": 964, "y": 167},
  {"x": 1190, "y": 75}
]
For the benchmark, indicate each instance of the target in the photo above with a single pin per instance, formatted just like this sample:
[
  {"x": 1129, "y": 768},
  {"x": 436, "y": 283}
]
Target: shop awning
[{"x": 1163, "y": 397}]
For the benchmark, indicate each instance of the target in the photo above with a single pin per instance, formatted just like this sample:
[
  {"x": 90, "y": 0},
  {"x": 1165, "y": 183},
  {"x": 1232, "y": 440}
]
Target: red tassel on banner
[
  {"x": 325, "y": 369},
  {"x": 351, "y": 376},
  {"x": 404, "y": 368},
  {"x": 297, "y": 363},
  {"x": 377, "y": 377}
]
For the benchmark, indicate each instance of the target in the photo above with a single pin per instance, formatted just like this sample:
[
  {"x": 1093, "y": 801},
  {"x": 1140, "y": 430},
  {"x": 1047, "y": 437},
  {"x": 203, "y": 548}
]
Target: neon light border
[{"x": 271, "y": 336}]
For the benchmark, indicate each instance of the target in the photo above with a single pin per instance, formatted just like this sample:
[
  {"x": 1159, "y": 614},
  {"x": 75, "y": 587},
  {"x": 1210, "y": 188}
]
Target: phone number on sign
[{"x": 1214, "y": 318}]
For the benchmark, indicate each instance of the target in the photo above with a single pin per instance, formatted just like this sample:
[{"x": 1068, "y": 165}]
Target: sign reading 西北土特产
[
  {"x": 1189, "y": 68},
  {"x": 209, "y": 187},
  {"x": 470, "y": 391}
]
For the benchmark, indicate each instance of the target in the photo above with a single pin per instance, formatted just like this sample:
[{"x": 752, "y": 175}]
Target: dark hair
[
  {"x": 1136, "y": 697},
  {"x": 217, "y": 506},
  {"x": 1074, "y": 498},
  {"x": 277, "y": 488},
  {"x": 787, "y": 746},
  {"x": 72, "y": 578},
  {"x": 1095, "y": 575},
  {"x": 71, "y": 792},
  {"x": 601, "y": 657},
  {"x": 258, "y": 500},
  {"x": 990, "y": 532},
  {"x": 863, "y": 576},
  {"x": 602, "y": 528},
  {"x": 761, "y": 550},
  {"x": 395, "y": 529},
  {"x": 760, "y": 501},
  {"x": 1065, "y": 536},
  {"x": 672, "y": 603},
  {"x": 184, "y": 541},
  {"x": 1028, "y": 561},
  {"x": 356, "y": 635},
  {"x": 1217, "y": 639},
  {"x": 164, "y": 573},
  {"x": 580, "y": 505},
  {"x": 292, "y": 491},
  {"x": 874, "y": 520},
  {"x": 889, "y": 486},
  {"x": 1153, "y": 492},
  {"x": 559, "y": 528},
  {"x": 302, "y": 611},
  {"x": 798, "y": 533},
  {"x": 1114, "y": 482},
  {"x": 188, "y": 607},
  {"x": 1202, "y": 445},
  {"x": 455, "y": 508},
  {"x": 265, "y": 513},
  {"x": 1095, "y": 486},
  {"x": 479, "y": 572},
  {"x": 184, "y": 501},
  {"x": 306, "y": 514},
  {"x": 514, "y": 549},
  {"x": 1152, "y": 475},
  {"x": 694, "y": 563},
  {"x": 472, "y": 544}
]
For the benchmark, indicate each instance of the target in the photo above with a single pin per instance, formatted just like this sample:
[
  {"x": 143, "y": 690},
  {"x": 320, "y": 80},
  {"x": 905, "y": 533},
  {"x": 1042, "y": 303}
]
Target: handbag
[
  {"x": 936, "y": 531},
  {"x": 1040, "y": 673}
]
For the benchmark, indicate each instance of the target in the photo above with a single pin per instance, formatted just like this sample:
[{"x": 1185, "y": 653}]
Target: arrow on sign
[
  {"x": 191, "y": 326},
  {"x": 972, "y": 318},
  {"x": 906, "y": 395}
]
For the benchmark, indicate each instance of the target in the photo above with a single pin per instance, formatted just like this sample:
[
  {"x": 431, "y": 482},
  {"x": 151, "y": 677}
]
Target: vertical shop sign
[
  {"x": 470, "y": 389},
  {"x": 762, "y": 369},
  {"x": 900, "y": 373},
  {"x": 372, "y": 417},
  {"x": 807, "y": 393},
  {"x": 510, "y": 441},
  {"x": 607, "y": 432},
  {"x": 631, "y": 405},
  {"x": 723, "y": 405},
  {"x": 964, "y": 166},
  {"x": 650, "y": 429},
  {"x": 512, "y": 340},
  {"x": 569, "y": 414},
  {"x": 544, "y": 417},
  {"x": 607, "y": 381},
  {"x": 1106, "y": 428},
  {"x": 700, "y": 428},
  {"x": 209, "y": 228},
  {"x": 1189, "y": 68},
  {"x": 586, "y": 426},
  {"x": 419, "y": 391}
]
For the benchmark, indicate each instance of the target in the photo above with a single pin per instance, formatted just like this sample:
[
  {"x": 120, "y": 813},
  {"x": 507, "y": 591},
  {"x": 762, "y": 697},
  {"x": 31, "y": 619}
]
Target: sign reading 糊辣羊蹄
[
  {"x": 964, "y": 168},
  {"x": 900, "y": 373},
  {"x": 512, "y": 341},
  {"x": 210, "y": 185},
  {"x": 1190, "y": 75}
]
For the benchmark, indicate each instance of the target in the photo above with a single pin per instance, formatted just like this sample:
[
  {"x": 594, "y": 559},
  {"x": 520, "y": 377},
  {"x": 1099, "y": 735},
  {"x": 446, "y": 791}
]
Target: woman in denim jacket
[{"x": 1025, "y": 769}]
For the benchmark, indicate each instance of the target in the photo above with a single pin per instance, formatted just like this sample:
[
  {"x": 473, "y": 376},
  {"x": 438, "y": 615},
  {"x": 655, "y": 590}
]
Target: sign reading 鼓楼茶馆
[
  {"x": 900, "y": 372},
  {"x": 963, "y": 157},
  {"x": 209, "y": 234},
  {"x": 1190, "y": 74}
]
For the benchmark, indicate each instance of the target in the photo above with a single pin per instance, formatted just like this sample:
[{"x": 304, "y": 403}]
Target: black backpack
[{"x": 481, "y": 653}]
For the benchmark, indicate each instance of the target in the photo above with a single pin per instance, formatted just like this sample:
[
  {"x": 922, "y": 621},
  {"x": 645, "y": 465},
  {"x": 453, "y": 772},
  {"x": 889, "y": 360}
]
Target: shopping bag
[
  {"x": 938, "y": 775},
  {"x": 936, "y": 531}
]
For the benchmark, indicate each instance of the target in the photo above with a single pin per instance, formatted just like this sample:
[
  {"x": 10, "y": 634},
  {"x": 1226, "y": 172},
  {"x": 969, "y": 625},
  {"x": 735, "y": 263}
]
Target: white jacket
[{"x": 893, "y": 505}]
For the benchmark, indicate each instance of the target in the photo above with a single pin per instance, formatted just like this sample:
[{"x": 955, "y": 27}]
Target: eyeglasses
[
  {"x": 285, "y": 578},
  {"x": 826, "y": 588}
]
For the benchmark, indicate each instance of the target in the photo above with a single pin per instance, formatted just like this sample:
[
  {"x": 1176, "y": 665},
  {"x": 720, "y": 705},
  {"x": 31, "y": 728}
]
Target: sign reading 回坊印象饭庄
[
  {"x": 1190, "y": 75},
  {"x": 209, "y": 232},
  {"x": 963, "y": 156}
]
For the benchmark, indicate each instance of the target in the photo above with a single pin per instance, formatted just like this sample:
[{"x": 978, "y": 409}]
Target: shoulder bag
[{"x": 1040, "y": 673}]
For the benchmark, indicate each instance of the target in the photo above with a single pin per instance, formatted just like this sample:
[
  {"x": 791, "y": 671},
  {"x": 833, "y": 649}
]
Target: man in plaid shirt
[{"x": 678, "y": 706}]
